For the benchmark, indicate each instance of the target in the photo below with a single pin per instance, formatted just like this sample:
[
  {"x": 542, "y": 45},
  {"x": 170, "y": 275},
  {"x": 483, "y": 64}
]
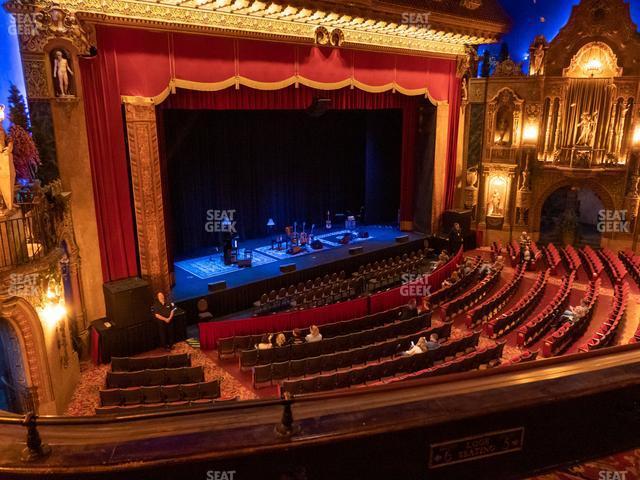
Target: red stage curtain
[
  {"x": 452, "y": 146},
  {"x": 109, "y": 167},
  {"x": 135, "y": 62}
]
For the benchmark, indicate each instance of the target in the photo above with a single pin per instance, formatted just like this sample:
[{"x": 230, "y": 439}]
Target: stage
[{"x": 245, "y": 285}]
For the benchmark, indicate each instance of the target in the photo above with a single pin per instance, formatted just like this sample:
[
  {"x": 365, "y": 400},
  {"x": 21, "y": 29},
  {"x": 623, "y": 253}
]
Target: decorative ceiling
[{"x": 420, "y": 27}]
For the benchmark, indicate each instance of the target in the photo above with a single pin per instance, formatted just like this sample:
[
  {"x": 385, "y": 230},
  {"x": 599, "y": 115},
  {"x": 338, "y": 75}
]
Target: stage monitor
[
  {"x": 355, "y": 250},
  {"x": 402, "y": 239},
  {"x": 288, "y": 268},
  {"x": 217, "y": 286}
]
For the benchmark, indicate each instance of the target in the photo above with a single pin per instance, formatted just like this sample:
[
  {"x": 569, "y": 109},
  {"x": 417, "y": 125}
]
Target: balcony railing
[{"x": 29, "y": 234}]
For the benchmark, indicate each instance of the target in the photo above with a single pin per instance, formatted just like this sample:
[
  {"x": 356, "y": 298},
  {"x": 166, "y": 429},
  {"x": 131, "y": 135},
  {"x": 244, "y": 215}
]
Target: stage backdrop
[
  {"x": 148, "y": 64},
  {"x": 279, "y": 164}
]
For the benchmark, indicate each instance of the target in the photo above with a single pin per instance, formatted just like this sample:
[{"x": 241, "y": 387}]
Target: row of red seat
[
  {"x": 374, "y": 372},
  {"x": 471, "y": 297},
  {"x": 592, "y": 263},
  {"x": 486, "y": 310},
  {"x": 371, "y": 353},
  {"x": 606, "y": 334},
  {"x": 562, "y": 338},
  {"x": 536, "y": 256},
  {"x": 516, "y": 314},
  {"x": 446, "y": 293},
  {"x": 553, "y": 257},
  {"x": 571, "y": 258},
  {"x": 514, "y": 252},
  {"x": 537, "y": 326},
  {"x": 526, "y": 356},
  {"x": 489, "y": 356},
  {"x": 631, "y": 264},
  {"x": 613, "y": 266}
]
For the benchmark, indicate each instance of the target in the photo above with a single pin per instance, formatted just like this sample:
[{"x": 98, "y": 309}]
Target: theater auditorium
[{"x": 308, "y": 239}]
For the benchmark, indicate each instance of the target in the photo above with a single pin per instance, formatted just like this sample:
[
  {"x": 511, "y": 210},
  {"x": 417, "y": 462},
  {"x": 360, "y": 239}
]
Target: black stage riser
[{"x": 241, "y": 298}]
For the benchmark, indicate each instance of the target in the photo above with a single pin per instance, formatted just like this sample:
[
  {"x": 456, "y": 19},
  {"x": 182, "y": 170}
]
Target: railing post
[
  {"x": 286, "y": 428},
  {"x": 35, "y": 449}
]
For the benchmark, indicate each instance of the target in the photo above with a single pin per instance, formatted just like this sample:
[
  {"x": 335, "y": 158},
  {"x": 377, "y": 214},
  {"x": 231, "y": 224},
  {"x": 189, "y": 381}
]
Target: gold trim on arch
[{"x": 270, "y": 86}]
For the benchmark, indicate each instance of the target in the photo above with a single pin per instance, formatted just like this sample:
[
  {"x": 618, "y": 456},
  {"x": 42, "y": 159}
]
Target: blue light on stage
[{"x": 10, "y": 65}]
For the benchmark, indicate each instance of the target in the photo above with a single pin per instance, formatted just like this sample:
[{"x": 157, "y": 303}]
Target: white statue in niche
[
  {"x": 587, "y": 128},
  {"x": 61, "y": 73},
  {"x": 7, "y": 168},
  {"x": 495, "y": 205}
]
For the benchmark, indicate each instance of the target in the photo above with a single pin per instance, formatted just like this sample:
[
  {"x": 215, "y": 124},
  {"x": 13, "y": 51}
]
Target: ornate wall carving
[
  {"x": 147, "y": 193},
  {"x": 36, "y": 77}
]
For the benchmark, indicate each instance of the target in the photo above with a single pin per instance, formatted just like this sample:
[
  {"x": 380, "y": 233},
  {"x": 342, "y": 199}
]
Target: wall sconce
[
  {"x": 636, "y": 137},
  {"x": 530, "y": 134},
  {"x": 53, "y": 309}
]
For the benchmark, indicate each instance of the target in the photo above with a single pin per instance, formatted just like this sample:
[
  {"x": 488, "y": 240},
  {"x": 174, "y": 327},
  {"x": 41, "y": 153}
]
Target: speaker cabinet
[
  {"x": 463, "y": 217},
  {"x": 128, "y": 301},
  {"x": 402, "y": 239},
  {"x": 288, "y": 268},
  {"x": 217, "y": 286},
  {"x": 355, "y": 250}
]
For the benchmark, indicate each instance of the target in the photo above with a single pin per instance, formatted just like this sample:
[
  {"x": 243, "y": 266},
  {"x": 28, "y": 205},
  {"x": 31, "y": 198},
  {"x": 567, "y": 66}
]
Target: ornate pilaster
[{"x": 147, "y": 193}]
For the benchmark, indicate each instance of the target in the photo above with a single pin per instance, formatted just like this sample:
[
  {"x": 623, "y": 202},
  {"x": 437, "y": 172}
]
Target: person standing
[
  {"x": 164, "y": 312},
  {"x": 456, "y": 238}
]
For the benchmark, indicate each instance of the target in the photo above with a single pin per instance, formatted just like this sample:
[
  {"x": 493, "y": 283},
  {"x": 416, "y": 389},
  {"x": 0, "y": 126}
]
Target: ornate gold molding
[
  {"x": 147, "y": 193},
  {"x": 267, "y": 22},
  {"x": 42, "y": 21},
  {"x": 35, "y": 76}
]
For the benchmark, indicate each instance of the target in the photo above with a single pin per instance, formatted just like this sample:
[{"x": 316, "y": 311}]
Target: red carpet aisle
[{"x": 86, "y": 397}]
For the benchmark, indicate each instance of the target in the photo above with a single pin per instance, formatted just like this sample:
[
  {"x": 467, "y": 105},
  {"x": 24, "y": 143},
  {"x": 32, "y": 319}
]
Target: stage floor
[{"x": 191, "y": 274}]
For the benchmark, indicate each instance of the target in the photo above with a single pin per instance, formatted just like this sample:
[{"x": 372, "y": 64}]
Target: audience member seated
[
  {"x": 576, "y": 313},
  {"x": 410, "y": 309},
  {"x": 434, "y": 342},
  {"x": 265, "y": 342},
  {"x": 526, "y": 255},
  {"x": 314, "y": 334},
  {"x": 453, "y": 279},
  {"x": 419, "y": 347},
  {"x": 525, "y": 241},
  {"x": 424, "y": 306},
  {"x": 280, "y": 340},
  {"x": 296, "y": 337}
]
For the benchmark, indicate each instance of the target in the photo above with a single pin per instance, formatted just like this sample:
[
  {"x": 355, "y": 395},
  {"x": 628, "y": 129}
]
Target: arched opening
[
  {"x": 14, "y": 394},
  {"x": 570, "y": 216}
]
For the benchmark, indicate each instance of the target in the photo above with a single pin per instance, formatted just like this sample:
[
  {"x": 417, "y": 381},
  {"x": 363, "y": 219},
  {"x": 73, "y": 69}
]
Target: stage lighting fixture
[{"x": 318, "y": 107}]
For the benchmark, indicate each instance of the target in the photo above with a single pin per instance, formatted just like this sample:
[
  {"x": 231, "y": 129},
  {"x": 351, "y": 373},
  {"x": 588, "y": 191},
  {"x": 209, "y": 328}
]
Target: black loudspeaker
[
  {"x": 402, "y": 239},
  {"x": 288, "y": 268},
  {"x": 128, "y": 301},
  {"x": 355, "y": 250},
  {"x": 317, "y": 245},
  {"x": 463, "y": 217},
  {"x": 363, "y": 235},
  {"x": 217, "y": 286}
]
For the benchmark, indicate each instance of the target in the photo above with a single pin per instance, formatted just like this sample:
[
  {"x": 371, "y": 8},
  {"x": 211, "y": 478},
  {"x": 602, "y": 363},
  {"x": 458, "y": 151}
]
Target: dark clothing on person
[{"x": 166, "y": 331}]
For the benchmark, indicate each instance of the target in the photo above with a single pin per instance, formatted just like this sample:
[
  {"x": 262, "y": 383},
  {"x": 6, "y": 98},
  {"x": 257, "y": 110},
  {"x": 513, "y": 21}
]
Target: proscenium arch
[{"x": 601, "y": 192}]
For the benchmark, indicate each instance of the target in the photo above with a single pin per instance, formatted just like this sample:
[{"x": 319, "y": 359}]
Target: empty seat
[
  {"x": 190, "y": 391},
  {"x": 171, "y": 393},
  {"x": 131, "y": 396},
  {"x": 110, "y": 397},
  {"x": 152, "y": 395},
  {"x": 210, "y": 389}
]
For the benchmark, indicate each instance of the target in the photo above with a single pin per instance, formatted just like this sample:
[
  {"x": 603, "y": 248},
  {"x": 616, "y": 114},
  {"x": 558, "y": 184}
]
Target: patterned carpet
[
  {"x": 213, "y": 265},
  {"x": 93, "y": 377},
  {"x": 622, "y": 466}
]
